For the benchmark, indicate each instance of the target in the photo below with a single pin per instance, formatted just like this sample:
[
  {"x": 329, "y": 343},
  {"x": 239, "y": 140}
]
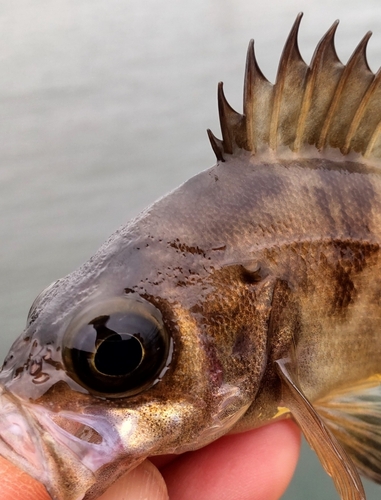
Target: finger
[
  {"x": 17, "y": 485},
  {"x": 255, "y": 465},
  {"x": 143, "y": 483}
]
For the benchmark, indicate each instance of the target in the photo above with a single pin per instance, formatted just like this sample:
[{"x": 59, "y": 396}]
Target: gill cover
[
  {"x": 332, "y": 111},
  {"x": 99, "y": 418}
]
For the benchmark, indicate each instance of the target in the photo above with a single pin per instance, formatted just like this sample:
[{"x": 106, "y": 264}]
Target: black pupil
[{"x": 118, "y": 355}]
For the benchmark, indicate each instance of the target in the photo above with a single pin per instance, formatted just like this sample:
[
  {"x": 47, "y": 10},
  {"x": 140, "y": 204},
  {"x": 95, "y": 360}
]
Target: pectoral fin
[
  {"x": 332, "y": 455},
  {"x": 353, "y": 415}
]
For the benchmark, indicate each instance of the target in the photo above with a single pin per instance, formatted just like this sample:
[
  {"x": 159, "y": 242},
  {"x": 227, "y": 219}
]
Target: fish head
[
  {"x": 120, "y": 361},
  {"x": 187, "y": 315}
]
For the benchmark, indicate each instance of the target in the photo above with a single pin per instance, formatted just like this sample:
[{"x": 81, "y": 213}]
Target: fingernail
[{"x": 143, "y": 483}]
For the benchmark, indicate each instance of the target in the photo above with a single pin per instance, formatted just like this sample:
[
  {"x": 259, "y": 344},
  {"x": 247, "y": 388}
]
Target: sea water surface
[{"x": 104, "y": 107}]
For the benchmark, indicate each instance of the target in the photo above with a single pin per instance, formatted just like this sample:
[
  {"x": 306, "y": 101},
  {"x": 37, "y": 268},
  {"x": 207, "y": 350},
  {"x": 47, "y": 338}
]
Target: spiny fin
[
  {"x": 257, "y": 98},
  {"x": 351, "y": 88},
  {"x": 288, "y": 91},
  {"x": 216, "y": 145},
  {"x": 334, "y": 459},
  {"x": 322, "y": 79},
  {"x": 353, "y": 415},
  {"x": 326, "y": 104}
]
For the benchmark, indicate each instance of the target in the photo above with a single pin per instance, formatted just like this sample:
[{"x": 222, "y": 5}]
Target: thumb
[
  {"x": 17, "y": 485},
  {"x": 143, "y": 483}
]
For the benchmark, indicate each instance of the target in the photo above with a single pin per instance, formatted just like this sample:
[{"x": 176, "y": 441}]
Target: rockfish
[{"x": 251, "y": 293}]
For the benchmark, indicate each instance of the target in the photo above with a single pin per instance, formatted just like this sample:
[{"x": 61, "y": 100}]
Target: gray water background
[{"x": 104, "y": 107}]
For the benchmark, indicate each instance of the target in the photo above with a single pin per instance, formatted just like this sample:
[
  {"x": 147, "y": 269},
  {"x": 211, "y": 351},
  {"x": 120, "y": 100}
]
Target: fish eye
[{"x": 117, "y": 348}]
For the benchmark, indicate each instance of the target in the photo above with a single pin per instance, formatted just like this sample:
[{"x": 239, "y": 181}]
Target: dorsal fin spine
[
  {"x": 252, "y": 75},
  {"x": 289, "y": 54},
  {"x": 325, "y": 44},
  {"x": 231, "y": 124},
  {"x": 360, "y": 112},
  {"x": 257, "y": 98},
  {"x": 373, "y": 140},
  {"x": 222, "y": 110},
  {"x": 358, "y": 54},
  {"x": 326, "y": 105},
  {"x": 250, "y": 69},
  {"x": 217, "y": 145}
]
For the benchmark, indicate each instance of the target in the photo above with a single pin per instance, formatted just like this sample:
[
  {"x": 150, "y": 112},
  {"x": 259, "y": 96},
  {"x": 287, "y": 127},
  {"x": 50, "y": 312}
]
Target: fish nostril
[
  {"x": 41, "y": 378},
  {"x": 35, "y": 367}
]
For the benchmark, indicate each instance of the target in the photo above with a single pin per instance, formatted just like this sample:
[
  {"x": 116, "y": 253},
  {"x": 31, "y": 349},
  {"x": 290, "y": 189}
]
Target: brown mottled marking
[{"x": 252, "y": 291}]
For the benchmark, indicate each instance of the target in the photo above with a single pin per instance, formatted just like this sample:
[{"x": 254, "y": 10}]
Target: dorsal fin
[
  {"x": 326, "y": 104},
  {"x": 288, "y": 91}
]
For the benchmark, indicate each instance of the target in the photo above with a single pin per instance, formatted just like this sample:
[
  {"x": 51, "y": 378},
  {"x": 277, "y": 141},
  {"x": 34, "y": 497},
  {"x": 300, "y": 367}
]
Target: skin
[
  {"x": 309, "y": 292},
  {"x": 265, "y": 272},
  {"x": 256, "y": 465}
]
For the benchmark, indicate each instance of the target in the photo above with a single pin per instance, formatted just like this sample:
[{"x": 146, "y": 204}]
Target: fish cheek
[
  {"x": 233, "y": 324},
  {"x": 220, "y": 349},
  {"x": 284, "y": 329}
]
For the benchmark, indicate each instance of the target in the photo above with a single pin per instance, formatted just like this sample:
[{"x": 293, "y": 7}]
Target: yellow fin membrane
[
  {"x": 332, "y": 455},
  {"x": 353, "y": 415}
]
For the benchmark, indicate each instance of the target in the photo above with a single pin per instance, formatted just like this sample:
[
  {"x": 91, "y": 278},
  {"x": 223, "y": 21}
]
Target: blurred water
[{"x": 104, "y": 107}]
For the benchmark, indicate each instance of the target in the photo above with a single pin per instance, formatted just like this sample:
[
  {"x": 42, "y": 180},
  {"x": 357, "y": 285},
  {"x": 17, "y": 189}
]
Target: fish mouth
[
  {"x": 67, "y": 452},
  {"x": 19, "y": 441}
]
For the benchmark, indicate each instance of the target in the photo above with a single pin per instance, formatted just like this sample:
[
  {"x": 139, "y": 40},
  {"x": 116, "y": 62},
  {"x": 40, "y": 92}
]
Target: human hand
[{"x": 255, "y": 465}]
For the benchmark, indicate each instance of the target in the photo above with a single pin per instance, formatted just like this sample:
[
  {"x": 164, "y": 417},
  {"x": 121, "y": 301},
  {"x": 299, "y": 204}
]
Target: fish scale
[{"x": 249, "y": 294}]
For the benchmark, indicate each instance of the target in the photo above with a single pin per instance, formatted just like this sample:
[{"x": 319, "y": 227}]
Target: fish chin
[
  {"x": 18, "y": 438},
  {"x": 69, "y": 453},
  {"x": 78, "y": 453}
]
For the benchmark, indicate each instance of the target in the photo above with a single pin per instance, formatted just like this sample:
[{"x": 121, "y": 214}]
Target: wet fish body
[{"x": 250, "y": 293}]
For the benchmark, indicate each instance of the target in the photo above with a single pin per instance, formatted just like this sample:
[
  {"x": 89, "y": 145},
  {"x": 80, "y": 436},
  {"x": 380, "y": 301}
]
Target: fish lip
[
  {"x": 68, "y": 466},
  {"x": 92, "y": 455},
  {"x": 19, "y": 440}
]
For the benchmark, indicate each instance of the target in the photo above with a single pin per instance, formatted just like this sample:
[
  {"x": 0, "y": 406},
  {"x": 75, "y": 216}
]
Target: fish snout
[{"x": 68, "y": 452}]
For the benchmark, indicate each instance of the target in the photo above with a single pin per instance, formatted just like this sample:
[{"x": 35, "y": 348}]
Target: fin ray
[
  {"x": 288, "y": 89},
  {"x": 333, "y": 457},
  {"x": 354, "y": 416},
  {"x": 365, "y": 120},
  {"x": 326, "y": 105},
  {"x": 350, "y": 90},
  {"x": 257, "y": 99},
  {"x": 326, "y": 70},
  {"x": 217, "y": 145}
]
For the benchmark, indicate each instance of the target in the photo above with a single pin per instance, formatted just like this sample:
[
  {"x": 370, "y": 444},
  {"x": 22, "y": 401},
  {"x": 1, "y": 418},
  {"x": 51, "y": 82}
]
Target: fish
[{"x": 249, "y": 294}]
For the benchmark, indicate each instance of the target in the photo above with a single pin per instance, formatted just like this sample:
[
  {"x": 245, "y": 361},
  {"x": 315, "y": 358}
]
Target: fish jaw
[
  {"x": 36, "y": 440},
  {"x": 77, "y": 455},
  {"x": 79, "y": 443}
]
